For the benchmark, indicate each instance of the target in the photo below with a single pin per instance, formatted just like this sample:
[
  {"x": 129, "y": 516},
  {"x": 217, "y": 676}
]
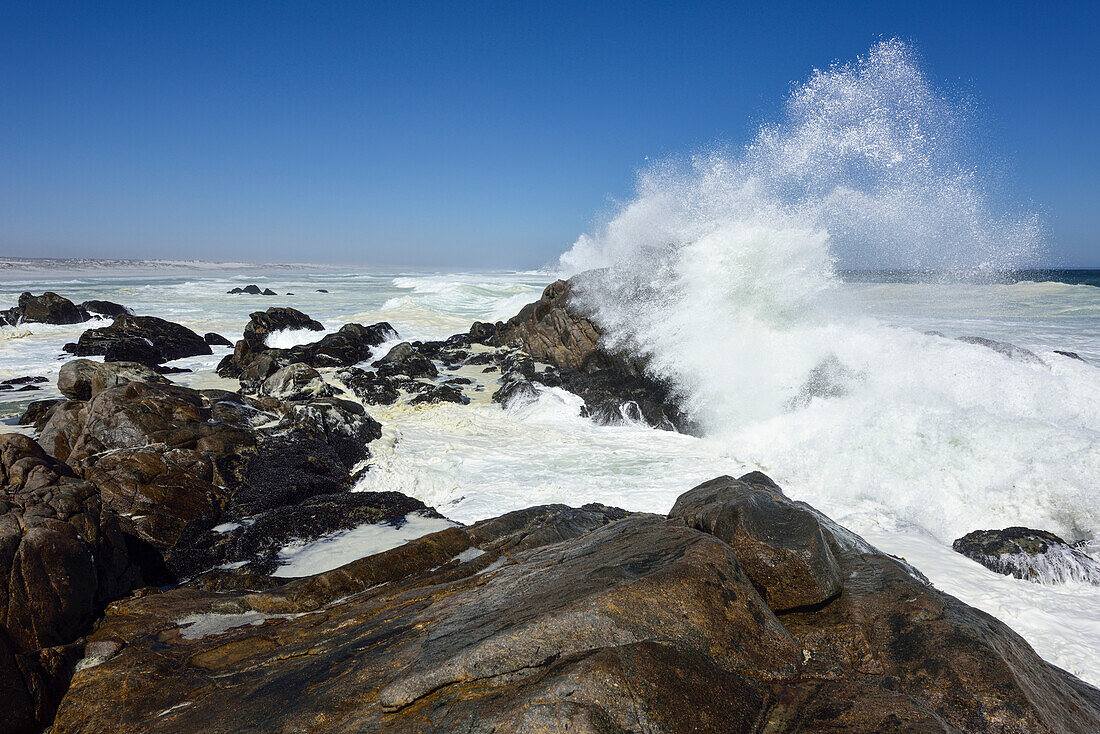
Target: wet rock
[
  {"x": 48, "y": 308},
  {"x": 370, "y": 387},
  {"x": 615, "y": 387},
  {"x": 107, "y": 309},
  {"x": 440, "y": 394},
  {"x": 484, "y": 333},
  {"x": 1011, "y": 351},
  {"x": 63, "y": 556},
  {"x": 1071, "y": 355},
  {"x": 829, "y": 379},
  {"x": 216, "y": 340},
  {"x": 295, "y": 382},
  {"x": 29, "y": 380},
  {"x": 248, "y": 290},
  {"x": 516, "y": 393},
  {"x": 555, "y": 619},
  {"x": 254, "y": 342},
  {"x": 350, "y": 345},
  {"x": 404, "y": 359},
  {"x": 83, "y": 379},
  {"x": 145, "y": 339},
  {"x": 37, "y": 412},
  {"x": 258, "y": 540},
  {"x": 322, "y": 290},
  {"x": 268, "y": 292},
  {"x": 782, "y": 547},
  {"x": 1035, "y": 555}
]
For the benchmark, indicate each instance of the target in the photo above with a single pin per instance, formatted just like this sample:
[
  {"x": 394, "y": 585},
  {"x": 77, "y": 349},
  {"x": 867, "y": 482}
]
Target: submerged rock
[
  {"x": 1035, "y": 555},
  {"x": 588, "y": 620},
  {"x": 829, "y": 379},
  {"x": 1011, "y": 351},
  {"x": 108, "y": 309}
]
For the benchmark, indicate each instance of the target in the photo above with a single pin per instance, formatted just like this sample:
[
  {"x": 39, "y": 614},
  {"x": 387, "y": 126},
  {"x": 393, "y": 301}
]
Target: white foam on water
[
  {"x": 289, "y": 338},
  {"x": 336, "y": 549}
]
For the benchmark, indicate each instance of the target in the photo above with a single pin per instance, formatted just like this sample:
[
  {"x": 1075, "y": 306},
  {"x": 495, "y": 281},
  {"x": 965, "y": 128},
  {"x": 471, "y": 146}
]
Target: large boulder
[
  {"x": 63, "y": 557},
  {"x": 587, "y": 620},
  {"x": 145, "y": 339},
  {"x": 83, "y": 379},
  {"x": 48, "y": 308},
  {"x": 1035, "y": 555},
  {"x": 295, "y": 382}
]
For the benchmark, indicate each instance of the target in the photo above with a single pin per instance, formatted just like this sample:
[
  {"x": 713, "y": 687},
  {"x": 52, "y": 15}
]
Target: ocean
[{"x": 932, "y": 437}]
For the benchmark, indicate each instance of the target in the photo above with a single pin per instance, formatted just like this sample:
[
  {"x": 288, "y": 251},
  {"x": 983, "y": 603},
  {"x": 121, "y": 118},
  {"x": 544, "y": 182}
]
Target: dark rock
[
  {"x": 829, "y": 379},
  {"x": 370, "y": 387},
  {"x": 216, "y": 340},
  {"x": 268, "y": 292},
  {"x": 63, "y": 557},
  {"x": 516, "y": 393},
  {"x": 1009, "y": 350},
  {"x": 615, "y": 387},
  {"x": 260, "y": 325},
  {"x": 83, "y": 379},
  {"x": 259, "y": 540},
  {"x": 483, "y": 333},
  {"x": 1071, "y": 355},
  {"x": 48, "y": 308},
  {"x": 352, "y": 344},
  {"x": 37, "y": 379},
  {"x": 559, "y": 619},
  {"x": 1035, "y": 555},
  {"x": 6, "y": 387},
  {"x": 404, "y": 359},
  {"x": 249, "y": 290},
  {"x": 440, "y": 394},
  {"x": 27, "y": 388},
  {"x": 321, "y": 290},
  {"x": 153, "y": 339},
  {"x": 37, "y": 412},
  {"x": 479, "y": 358},
  {"x": 106, "y": 308}
]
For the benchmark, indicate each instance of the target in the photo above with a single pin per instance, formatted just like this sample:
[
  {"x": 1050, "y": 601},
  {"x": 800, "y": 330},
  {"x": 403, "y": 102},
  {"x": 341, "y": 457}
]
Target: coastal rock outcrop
[
  {"x": 48, "y": 308},
  {"x": 216, "y": 340},
  {"x": 1035, "y": 555},
  {"x": 107, "y": 309},
  {"x": 556, "y": 330},
  {"x": 588, "y": 620},
  {"x": 63, "y": 557},
  {"x": 146, "y": 339},
  {"x": 404, "y": 359},
  {"x": 175, "y": 462}
]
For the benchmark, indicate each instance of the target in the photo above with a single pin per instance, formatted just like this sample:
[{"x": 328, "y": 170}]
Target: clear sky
[{"x": 467, "y": 134}]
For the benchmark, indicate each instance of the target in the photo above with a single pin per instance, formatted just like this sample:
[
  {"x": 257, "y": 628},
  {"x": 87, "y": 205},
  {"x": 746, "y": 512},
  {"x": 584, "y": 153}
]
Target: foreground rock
[
  {"x": 558, "y": 331},
  {"x": 174, "y": 462},
  {"x": 1035, "y": 555},
  {"x": 742, "y": 611},
  {"x": 148, "y": 340},
  {"x": 63, "y": 556}
]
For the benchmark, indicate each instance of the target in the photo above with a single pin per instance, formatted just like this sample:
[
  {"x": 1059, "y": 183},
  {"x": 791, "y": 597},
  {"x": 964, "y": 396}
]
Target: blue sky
[{"x": 463, "y": 134}]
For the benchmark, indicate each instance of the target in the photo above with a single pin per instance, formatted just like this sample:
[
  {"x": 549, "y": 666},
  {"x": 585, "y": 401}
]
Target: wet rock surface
[
  {"x": 48, "y": 308},
  {"x": 1035, "y": 555},
  {"x": 145, "y": 339},
  {"x": 588, "y": 620},
  {"x": 63, "y": 556},
  {"x": 557, "y": 331},
  {"x": 83, "y": 379}
]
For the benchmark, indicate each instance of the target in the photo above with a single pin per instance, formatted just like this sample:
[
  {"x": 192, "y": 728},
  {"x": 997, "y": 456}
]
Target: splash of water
[{"x": 723, "y": 272}]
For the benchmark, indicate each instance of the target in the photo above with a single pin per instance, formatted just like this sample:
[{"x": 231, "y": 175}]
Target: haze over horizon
[{"x": 430, "y": 135}]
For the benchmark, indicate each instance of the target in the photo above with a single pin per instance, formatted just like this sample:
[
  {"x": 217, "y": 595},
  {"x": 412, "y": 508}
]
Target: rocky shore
[{"x": 142, "y": 531}]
